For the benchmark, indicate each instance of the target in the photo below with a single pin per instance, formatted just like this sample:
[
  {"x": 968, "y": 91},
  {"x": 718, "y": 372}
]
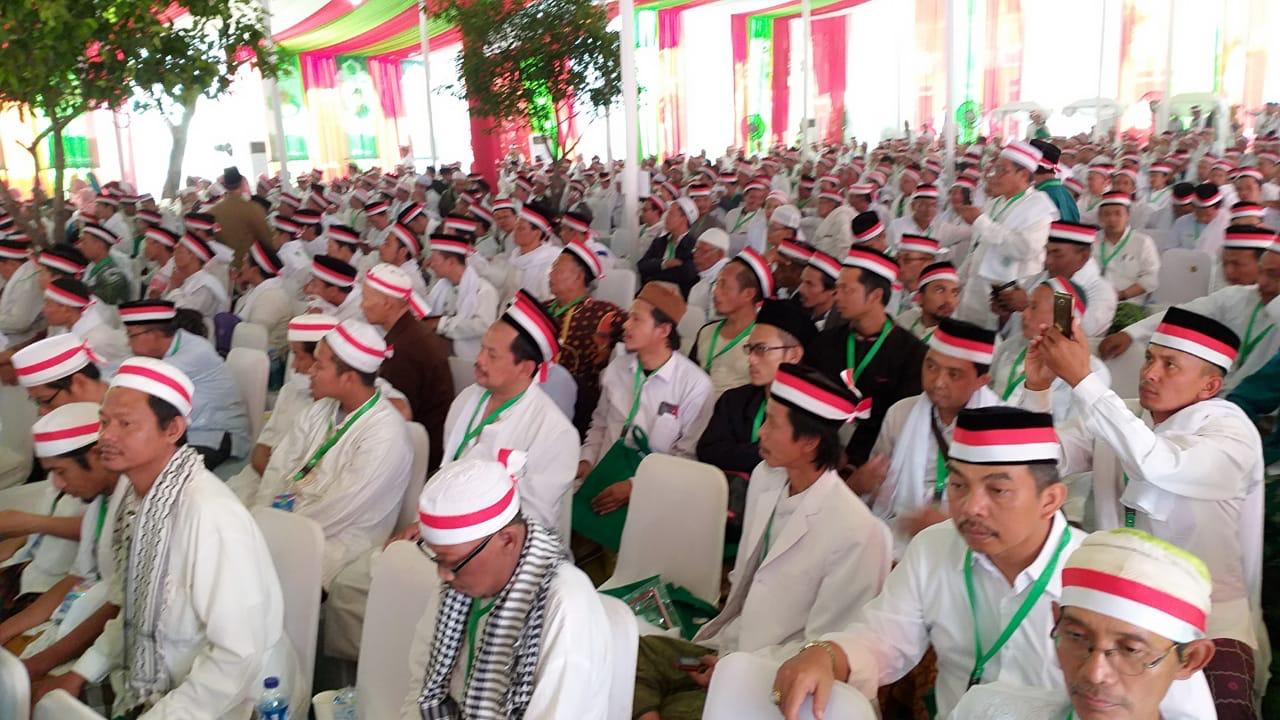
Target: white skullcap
[
  {"x": 471, "y": 499},
  {"x": 1142, "y": 580},
  {"x": 393, "y": 281},
  {"x": 158, "y": 379},
  {"x": 358, "y": 344},
  {"x": 716, "y": 238},
  {"x": 787, "y": 216},
  {"x": 311, "y": 327},
  {"x": 688, "y": 208},
  {"x": 66, "y": 428},
  {"x": 50, "y": 359}
]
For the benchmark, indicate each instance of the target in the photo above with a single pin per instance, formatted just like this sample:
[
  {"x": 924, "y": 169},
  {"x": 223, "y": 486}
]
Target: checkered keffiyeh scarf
[
  {"x": 141, "y": 544},
  {"x": 501, "y": 682}
]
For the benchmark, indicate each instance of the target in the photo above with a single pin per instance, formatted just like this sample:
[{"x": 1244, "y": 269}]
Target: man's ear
[{"x": 1195, "y": 655}]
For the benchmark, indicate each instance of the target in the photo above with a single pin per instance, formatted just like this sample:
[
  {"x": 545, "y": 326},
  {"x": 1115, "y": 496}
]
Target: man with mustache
[
  {"x": 1189, "y": 470},
  {"x": 1130, "y": 626}
]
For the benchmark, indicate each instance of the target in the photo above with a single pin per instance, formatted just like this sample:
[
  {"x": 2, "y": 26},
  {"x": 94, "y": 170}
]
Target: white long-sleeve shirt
[
  {"x": 834, "y": 235},
  {"x": 109, "y": 343},
  {"x": 216, "y": 406},
  {"x": 354, "y": 494},
  {"x": 534, "y": 268},
  {"x": 1188, "y": 234},
  {"x": 534, "y": 425},
  {"x": 201, "y": 292},
  {"x": 924, "y": 603},
  {"x": 270, "y": 304},
  {"x": 472, "y": 309},
  {"x": 223, "y": 626},
  {"x": 1137, "y": 261},
  {"x": 746, "y": 230},
  {"x": 21, "y": 305},
  {"x": 675, "y": 406},
  {"x": 1010, "y": 244}
]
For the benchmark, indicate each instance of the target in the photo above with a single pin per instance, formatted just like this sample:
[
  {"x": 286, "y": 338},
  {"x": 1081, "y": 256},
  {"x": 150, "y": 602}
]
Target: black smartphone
[
  {"x": 689, "y": 664},
  {"x": 1062, "y": 305}
]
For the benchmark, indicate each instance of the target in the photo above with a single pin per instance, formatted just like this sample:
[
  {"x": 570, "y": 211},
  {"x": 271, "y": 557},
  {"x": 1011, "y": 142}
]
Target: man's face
[
  {"x": 939, "y": 298},
  {"x": 1113, "y": 218},
  {"x": 506, "y": 219},
  {"x": 93, "y": 248},
  {"x": 1171, "y": 380},
  {"x": 649, "y": 214},
  {"x": 342, "y": 251},
  {"x": 300, "y": 359},
  {"x": 1157, "y": 180},
  {"x": 675, "y": 221},
  {"x": 1218, "y": 177},
  {"x": 949, "y": 382},
  {"x": 1240, "y": 266},
  {"x": 392, "y": 251},
  {"x": 527, "y": 235},
  {"x": 703, "y": 203},
  {"x": 861, "y": 203},
  {"x": 131, "y": 435},
  {"x": 1038, "y": 312},
  {"x": 376, "y": 305},
  {"x": 851, "y": 297},
  {"x": 1123, "y": 183},
  {"x": 1248, "y": 189},
  {"x": 1003, "y": 177},
  {"x": 495, "y": 366},
  {"x": 909, "y": 266},
  {"x": 774, "y": 349},
  {"x": 998, "y": 507},
  {"x": 786, "y": 273},
  {"x": 1097, "y": 689},
  {"x": 486, "y": 572},
  {"x": 1063, "y": 259},
  {"x": 326, "y": 381},
  {"x": 1269, "y": 276},
  {"x": 729, "y": 295},
  {"x": 705, "y": 255},
  {"x": 778, "y": 445},
  {"x": 752, "y": 200},
  {"x": 69, "y": 476},
  {"x": 924, "y": 210},
  {"x": 1096, "y": 183},
  {"x": 185, "y": 260},
  {"x": 640, "y": 332},
  {"x": 155, "y": 252},
  {"x": 1206, "y": 215},
  {"x": 812, "y": 290},
  {"x": 148, "y": 341},
  {"x": 59, "y": 315}
]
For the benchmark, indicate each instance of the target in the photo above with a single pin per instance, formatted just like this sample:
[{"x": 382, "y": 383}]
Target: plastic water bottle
[
  {"x": 345, "y": 705},
  {"x": 274, "y": 704}
]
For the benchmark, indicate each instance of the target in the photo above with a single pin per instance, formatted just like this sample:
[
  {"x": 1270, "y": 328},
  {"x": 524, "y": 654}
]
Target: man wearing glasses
[
  {"x": 1129, "y": 633},
  {"x": 58, "y": 371},
  {"x": 520, "y": 632}
]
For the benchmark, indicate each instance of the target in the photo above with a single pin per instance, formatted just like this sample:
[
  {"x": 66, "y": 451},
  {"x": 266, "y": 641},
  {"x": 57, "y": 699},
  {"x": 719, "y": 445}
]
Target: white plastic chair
[
  {"x": 29, "y": 498},
  {"x": 1125, "y": 368},
  {"x": 15, "y": 688},
  {"x": 296, "y": 544},
  {"x": 1161, "y": 238},
  {"x": 249, "y": 335},
  {"x": 1184, "y": 276},
  {"x": 250, "y": 369},
  {"x": 693, "y": 320},
  {"x": 417, "y": 475},
  {"x": 675, "y": 526},
  {"x": 742, "y": 689},
  {"x": 404, "y": 589},
  {"x": 623, "y": 244},
  {"x": 17, "y": 414},
  {"x": 617, "y": 287},
  {"x": 625, "y": 635},
  {"x": 463, "y": 372}
]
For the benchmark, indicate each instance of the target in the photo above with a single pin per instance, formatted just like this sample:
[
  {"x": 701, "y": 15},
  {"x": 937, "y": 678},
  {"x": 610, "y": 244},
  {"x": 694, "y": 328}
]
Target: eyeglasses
[
  {"x": 140, "y": 333},
  {"x": 760, "y": 349},
  {"x": 457, "y": 567},
  {"x": 1126, "y": 662}
]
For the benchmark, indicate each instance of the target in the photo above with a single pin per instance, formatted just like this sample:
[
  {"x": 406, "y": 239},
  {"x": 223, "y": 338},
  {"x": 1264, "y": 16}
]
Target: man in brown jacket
[{"x": 241, "y": 220}]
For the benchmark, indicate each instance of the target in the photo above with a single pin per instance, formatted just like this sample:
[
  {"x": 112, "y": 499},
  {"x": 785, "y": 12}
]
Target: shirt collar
[
  {"x": 664, "y": 372},
  {"x": 1029, "y": 574}
]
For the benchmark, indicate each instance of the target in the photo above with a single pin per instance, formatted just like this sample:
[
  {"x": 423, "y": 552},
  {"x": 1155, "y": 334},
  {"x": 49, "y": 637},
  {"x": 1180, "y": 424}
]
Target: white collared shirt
[
  {"x": 700, "y": 293},
  {"x": 22, "y": 304},
  {"x": 1137, "y": 262},
  {"x": 271, "y": 305},
  {"x": 1010, "y": 248},
  {"x": 473, "y": 308},
  {"x": 535, "y": 268}
]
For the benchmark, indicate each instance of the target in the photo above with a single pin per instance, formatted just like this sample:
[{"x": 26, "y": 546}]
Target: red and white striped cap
[
  {"x": 108, "y": 199},
  {"x": 66, "y": 428},
  {"x": 866, "y": 226},
  {"x": 658, "y": 203},
  {"x": 69, "y": 292},
  {"x": 14, "y": 250},
  {"x": 378, "y": 207},
  {"x": 1073, "y": 185},
  {"x": 453, "y": 244},
  {"x": 1250, "y": 172},
  {"x": 1022, "y": 154},
  {"x": 311, "y": 327},
  {"x": 481, "y": 213},
  {"x": 831, "y": 180},
  {"x": 700, "y": 190},
  {"x": 266, "y": 259},
  {"x": 937, "y": 271},
  {"x": 831, "y": 197},
  {"x": 333, "y": 271},
  {"x": 98, "y": 232},
  {"x": 50, "y": 359},
  {"x": 523, "y": 184},
  {"x": 794, "y": 250},
  {"x": 204, "y": 221},
  {"x": 998, "y": 435},
  {"x": 529, "y": 319},
  {"x": 406, "y": 238},
  {"x": 536, "y": 219},
  {"x": 470, "y": 499},
  {"x": 587, "y": 257},
  {"x": 872, "y": 261},
  {"x": 198, "y": 247},
  {"x": 1127, "y": 172},
  {"x": 1160, "y": 167},
  {"x": 1246, "y": 209},
  {"x": 756, "y": 263},
  {"x": 1138, "y": 579},
  {"x": 158, "y": 379},
  {"x": 925, "y": 192},
  {"x": 910, "y": 174},
  {"x": 910, "y": 242},
  {"x": 1060, "y": 284},
  {"x": 358, "y": 344},
  {"x": 816, "y": 395},
  {"x": 142, "y": 312},
  {"x": 1206, "y": 195},
  {"x": 1197, "y": 335},
  {"x": 290, "y": 199},
  {"x": 453, "y": 224},
  {"x": 393, "y": 281},
  {"x": 965, "y": 182},
  {"x": 877, "y": 178},
  {"x": 757, "y": 183},
  {"x": 410, "y": 213},
  {"x": 1269, "y": 156},
  {"x": 162, "y": 236},
  {"x": 1247, "y": 237},
  {"x": 574, "y": 223},
  {"x": 1069, "y": 232},
  {"x": 343, "y": 234},
  {"x": 964, "y": 341},
  {"x": 825, "y": 264},
  {"x": 285, "y": 225},
  {"x": 861, "y": 189},
  {"x": 1116, "y": 198}
]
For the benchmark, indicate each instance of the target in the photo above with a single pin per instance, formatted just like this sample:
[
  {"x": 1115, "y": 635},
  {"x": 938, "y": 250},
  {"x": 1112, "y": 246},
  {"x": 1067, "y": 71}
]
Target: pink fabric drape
[
  {"x": 780, "y": 85},
  {"x": 829, "y": 35},
  {"x": 738, "y": 39},
  {"x": 330, "y": 12},
  {"x": 318, "y": 71},
  {"x": 385, "y": 74},
  {"x": 670, "y": 106}
]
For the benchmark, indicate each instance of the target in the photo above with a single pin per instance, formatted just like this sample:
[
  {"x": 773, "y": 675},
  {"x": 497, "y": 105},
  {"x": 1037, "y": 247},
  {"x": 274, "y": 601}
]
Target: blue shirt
[{"x": 216, "y": 405}]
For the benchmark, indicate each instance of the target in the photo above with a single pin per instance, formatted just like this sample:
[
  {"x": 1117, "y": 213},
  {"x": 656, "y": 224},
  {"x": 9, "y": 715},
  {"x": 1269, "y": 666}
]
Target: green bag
[
  {"x": 619, "y": 463},
  {"x": 685, "y": 610}
]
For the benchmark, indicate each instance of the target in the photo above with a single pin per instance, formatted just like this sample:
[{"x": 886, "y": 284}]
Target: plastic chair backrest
[
  {"x": 742, "y": 689},
  {"x": 250, "y": 369},
  {"x": 623, "y": 243},
  {"x": 1184, "y": 276},
  {"x": 404, "y": 587},
  {"x": 296, "y": 544},
  {"x": 29, "y": 498},
  {"x": 17, "y": 414},
  {"x": 1125, "y": 368},
  {"x": 463, "y": 372},
  {"x": 60, "y": 705},
  {"x": 617, "y": 287},
  {"x": 417, "y": 475},
  {"x": 249, "y": 335},
  {"x": 675, "y": 526},
  {"x": 626, "y": 635},
  {"x": 15, "y": 688}
]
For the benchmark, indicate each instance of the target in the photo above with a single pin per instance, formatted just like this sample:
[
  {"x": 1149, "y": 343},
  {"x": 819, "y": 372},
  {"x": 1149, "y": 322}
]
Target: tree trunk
[
  {"x": 177, "y": 151},
  {"x": 59, "y": 166}
]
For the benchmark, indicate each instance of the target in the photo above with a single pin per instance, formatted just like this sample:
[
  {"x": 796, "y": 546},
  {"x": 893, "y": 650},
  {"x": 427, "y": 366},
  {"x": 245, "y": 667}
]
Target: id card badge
[{"x": 284, "y": 501}]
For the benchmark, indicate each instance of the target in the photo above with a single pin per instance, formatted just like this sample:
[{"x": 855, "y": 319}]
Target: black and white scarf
[
  {"x": 141, "y": 545},
  {"x": 501, "y": 682}
]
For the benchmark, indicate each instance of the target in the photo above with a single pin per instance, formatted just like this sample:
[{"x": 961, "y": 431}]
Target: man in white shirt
[
  {"x": 331, "y": 289},
  {"x": 110, "y": 272},
  {"x": 201, "y": 603},
  {"x": 1156, "y": 477},
  {"x": 744, "y": 283},
  {"x": 746, "y": 224},
  {"x": 346, "y": 461},
  {"x": 1202, "y": 229},
  {"x": 651, "y": 212},
  {"x": 69, "y": 306},
  {"x": 520, "y": 631},
  {"x": 1155, "y": 201},
  {"x": 1069, "y": 254},
  {"x": 710, "y": 255},
  {"x": 1097, "y": 183},
  {"x": 997, "y": 562},
  {"x": 265, "y": 299},
  {"x": 192, "y": 287},
  {"x": 936, "y": 296},
  {"x": 23, "y": 295},
  {"x": 58, "y": 370},
  {"x": 1239, "y": 261},
  {"x": 534, "y": 252},
  {"x": 1137, "y": 604},
  {"x": 473, "y": 303},
  {"x": 401, "y": 248},
  {"x": 833, "y": 235},
  {"x": 1180, "y": 205},
  {"x": 817, "y": 554},
  {"x": 157, "y": 250},
  {"x": 1127, "y": 259}
]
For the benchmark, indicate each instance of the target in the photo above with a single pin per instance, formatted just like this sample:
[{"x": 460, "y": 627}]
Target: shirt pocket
[{"x": 664, "y": 432}]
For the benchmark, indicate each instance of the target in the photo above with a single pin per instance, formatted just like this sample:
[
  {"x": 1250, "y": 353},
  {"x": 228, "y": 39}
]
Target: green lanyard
[
  {"x": 743, "y": 219},
  {"x": 927, "y": 336},
  {"x": 1093, "y": 204},
  {"x": 850, "y": 353},
  {"x": 334, "y": 437},
  {"x": 1033, "y": 596},
  {"x": 901, "y": 202},
  {"x": 93, "y": 269},
  {"x": 1049, "y": 184},
  {"x": 474, "y": 616},
  {"x": 768, "y": 533},
  {"x": 755, "y": 424},
  {"x": 177, "y": 343},
  {"x": 939, "y": 476},
  {"x": 1250, "y": 341},
  {"x": 1107, "y": 258},
  {"x": 715, "y": 338},
  {"x": 1130, "y": 515},
  {"x": 102, "y": 518},
  {"x": 472, "y": 434},
  {"x": 1015, "y": 377},
  {"x": 557, "y": 309},
  {"x": 671, "y": 248},
  {"x": 997, "y": 215},
  {"x": 637, "y": 387}
]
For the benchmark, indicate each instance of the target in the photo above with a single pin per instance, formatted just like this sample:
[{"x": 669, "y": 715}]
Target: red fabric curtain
[
  {"x": 318, "y": 71},
  {"x": 738, "y": 39},
  {"x": 829, "y": 63},
  {"x": 385, "y": 74},
  {"x": 781, "y": 74},
  {"x": 670, "y": 107}
]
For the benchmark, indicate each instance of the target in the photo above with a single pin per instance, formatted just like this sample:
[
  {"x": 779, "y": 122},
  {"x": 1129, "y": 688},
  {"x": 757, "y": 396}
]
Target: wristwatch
[{"x": 825, "y": 645}]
